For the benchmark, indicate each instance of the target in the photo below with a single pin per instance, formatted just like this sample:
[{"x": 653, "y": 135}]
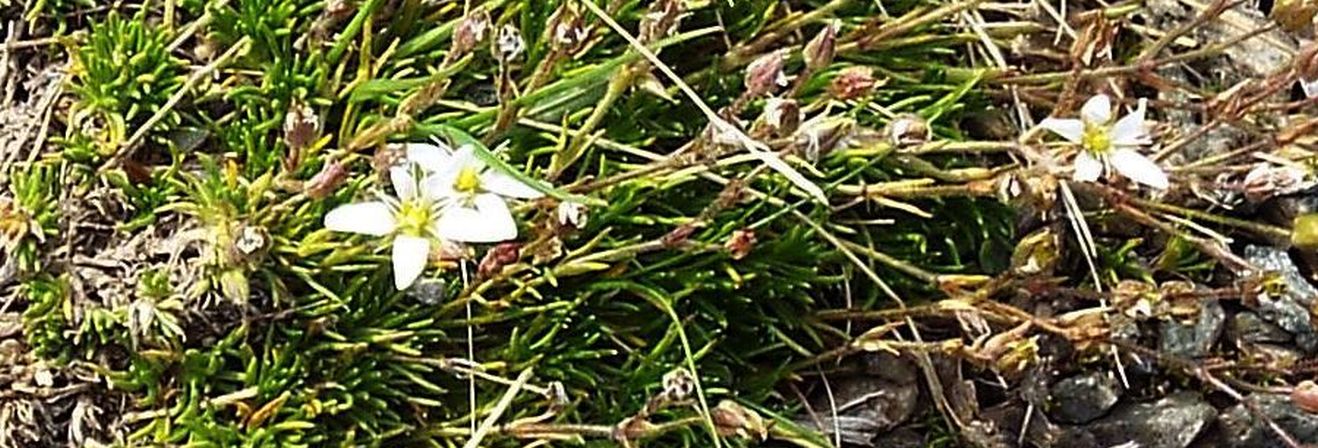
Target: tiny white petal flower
[
  {"x": 1098, "y": 110},
  {"x": 370, "y": 218},
  {"x": 410, "y": 254},
  {"x": 1138, "y": 168},
  {"x": 472, "y": 194},
  {"x": 1106, "y": 144},
  {"x": 1130, "y": 129},
  {"x": 1087, "y": 167},
  {"x": 485, "y": 220},
  {"x": 1068, "y": 128},
  {"x": 409, "y": 221}
]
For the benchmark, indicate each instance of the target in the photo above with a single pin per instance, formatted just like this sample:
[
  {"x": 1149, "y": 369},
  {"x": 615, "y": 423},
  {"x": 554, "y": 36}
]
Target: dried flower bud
[
  {"x": 469, "y": 33},
  {"x": 571, "y": 215},
  {"x": 1294, "y": 15},
  {"x": 1265, "y": 181},
  {"x": 679, "y": 236},
  {"x": 765, "y": 75},
  {"x": 819, "y": 51},
  {"x": 1304, "y": 231},
  {"x": 740, "y": 243},
  {"x": 678, "y": 384},
  {"x": 330, "y": 177},
  {"x": 782, "y": 116},
  {"x": 509, "y": 45},
  {"x": 907, "y": 130},
  {"x": 1306, "y": 65},
  {"x": 301, "y": 130},
  {"x": 853, "y": 82},
  {"x": 497, "y": 257},
  {"x": 821, "y": 135},
  {"x": 1305, "y": 396},
  {"x": 387, "y": 157},
  {"x": 732, "y": 419},
  {"x": 566, "y": 30},
  {"x": 660, "y": 21}
]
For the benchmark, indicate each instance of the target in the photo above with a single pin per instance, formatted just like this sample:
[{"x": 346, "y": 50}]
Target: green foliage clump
[{"x": 123, "y": 74}]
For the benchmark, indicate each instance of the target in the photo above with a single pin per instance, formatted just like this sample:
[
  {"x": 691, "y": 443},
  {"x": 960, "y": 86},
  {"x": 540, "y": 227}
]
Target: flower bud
[
  {"x": 853, "y": 82},
  {"x": 497, "y": 257},
  {"x": 509, "y": 45},
  {"x": 660, "y": 21},
  {"x": 820, "y": 50},
  {"x": 907, "y": 130},
  {"x": 765, "y": 75},
  {"x": 330, "y": 177},
  {"x": 782, "y": 116},
  {"x": 566, "y": 31},
  {"x": 740, "y": 243},
  {"x": 301, "y": 125},
  {"x": 469, "y": 32},
  {"x": 732, "y": 419}
]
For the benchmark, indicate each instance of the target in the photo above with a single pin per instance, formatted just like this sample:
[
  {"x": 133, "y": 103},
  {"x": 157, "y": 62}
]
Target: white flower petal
[
  {"x": 462, "y": 158},
  {"x": 435, "y": 188},
  {"x": 1138, "y": 168},
  {"x": 506, "y": 185},
  {"x": 489, "y": 221},
  {"x": 404, "y": 183},
  {"x": 1087, "y": 167},
  {"x": 1098, "y": 110},
  {"x": 1068, "y": 128},
  {"x": 1310, "y": 87},
  {"x": 1130, "y": 129},
  {"x": 431, "y": 158},
  {"x": 410, "y": 256},
  {"x": 370, "y": 218}
]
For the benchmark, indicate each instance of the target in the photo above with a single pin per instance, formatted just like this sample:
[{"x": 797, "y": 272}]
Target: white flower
[
  {"x": 1108, "y": 145},
  {"x": 472, "y": 195},
  {"x": 571, "y": 214},
  {"x": 410, "y": 220}
]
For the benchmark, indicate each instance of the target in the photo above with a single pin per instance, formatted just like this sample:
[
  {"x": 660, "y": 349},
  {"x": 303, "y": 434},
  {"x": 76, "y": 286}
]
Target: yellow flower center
[
  {"x": 414, "y": 217},
  {"x": 1096, "y": 139},
  {"x": 468, "y": 181}
]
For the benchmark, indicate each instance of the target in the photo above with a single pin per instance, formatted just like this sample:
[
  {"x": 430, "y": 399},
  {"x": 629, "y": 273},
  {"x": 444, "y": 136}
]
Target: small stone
[
  {"x": 1290, "y": 309},
  {"x": 1239, "y": 428},
  {"x": 1247, "y": 327},
  {"x": 1172, "y": 422},
  {"x": 1195, "y": 339},
  {"x": 1083, "y": 398}
]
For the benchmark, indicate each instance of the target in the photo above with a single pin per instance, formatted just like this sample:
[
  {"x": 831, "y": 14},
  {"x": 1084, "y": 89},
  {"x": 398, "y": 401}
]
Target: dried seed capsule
[
  {"x": 765, "y": 75},
  {"x": 782, "y": 116},
  {"x": 819, "y": 51},
  {"x": 469, "y": 32},
  {"x": 740, "y": 243},
  {"x": 330, "y": 177},
  {"x": 853, "y": 82},
  {"x": 907, "y": 130}
]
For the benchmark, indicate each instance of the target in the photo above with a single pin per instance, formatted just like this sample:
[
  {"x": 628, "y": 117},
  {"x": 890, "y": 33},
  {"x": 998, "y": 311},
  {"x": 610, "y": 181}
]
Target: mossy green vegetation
[{"x": 677, "y": 284}]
